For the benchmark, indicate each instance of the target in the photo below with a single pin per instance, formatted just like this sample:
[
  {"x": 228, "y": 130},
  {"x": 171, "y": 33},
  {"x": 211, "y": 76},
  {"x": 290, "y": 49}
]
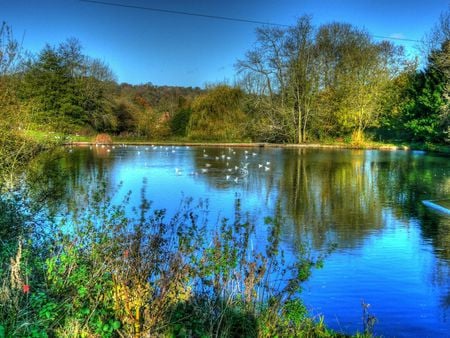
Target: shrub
[
  {"x": 103, "y": 139},
  {"x": 103, "y": 273}
]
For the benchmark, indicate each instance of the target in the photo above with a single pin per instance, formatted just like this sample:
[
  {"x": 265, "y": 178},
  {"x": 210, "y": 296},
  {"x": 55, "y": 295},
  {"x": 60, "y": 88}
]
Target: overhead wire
[
  {"x": 169, "y": 11},
  {"x": 218, "y": 17}
]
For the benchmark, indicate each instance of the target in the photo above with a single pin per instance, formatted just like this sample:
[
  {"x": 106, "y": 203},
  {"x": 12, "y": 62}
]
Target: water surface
[{"x": 392, "y": 252}]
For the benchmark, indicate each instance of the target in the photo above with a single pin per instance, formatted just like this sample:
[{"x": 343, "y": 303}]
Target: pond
[{"x": 392, "y": 252}]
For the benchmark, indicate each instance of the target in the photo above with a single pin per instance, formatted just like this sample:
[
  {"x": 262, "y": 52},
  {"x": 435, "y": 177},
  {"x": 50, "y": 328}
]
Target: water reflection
[
  {"x": 329, "y": 191},
  {"x": 391, "y": 249}
]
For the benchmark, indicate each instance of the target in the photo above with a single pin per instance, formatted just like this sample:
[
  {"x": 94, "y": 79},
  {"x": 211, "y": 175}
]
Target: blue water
[{"x": 391, "y": 251}]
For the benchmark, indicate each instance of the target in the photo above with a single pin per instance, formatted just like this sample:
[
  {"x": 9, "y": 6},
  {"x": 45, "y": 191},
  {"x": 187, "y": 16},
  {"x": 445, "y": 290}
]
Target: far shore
[{"x": 243, "y": 145}]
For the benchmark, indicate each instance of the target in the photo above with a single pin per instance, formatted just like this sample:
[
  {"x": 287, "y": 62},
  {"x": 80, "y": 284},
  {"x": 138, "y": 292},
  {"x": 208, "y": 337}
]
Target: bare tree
[
  {"x": 9, "y": 59},
  {"x": 280, "y": 72}
]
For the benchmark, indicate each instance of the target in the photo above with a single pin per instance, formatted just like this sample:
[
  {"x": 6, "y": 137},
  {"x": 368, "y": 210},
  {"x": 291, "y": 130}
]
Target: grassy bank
[
  {"x": 90, "y": 140},
  {"x": 42, "y": 137}
]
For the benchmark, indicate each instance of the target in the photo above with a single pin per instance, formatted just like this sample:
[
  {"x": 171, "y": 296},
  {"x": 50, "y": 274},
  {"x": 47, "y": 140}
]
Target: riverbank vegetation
[
  {"x": 100, "y": 272},
  {"x": 300, "y": 84}
]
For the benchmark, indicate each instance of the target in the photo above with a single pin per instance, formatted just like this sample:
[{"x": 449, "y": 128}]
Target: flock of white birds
[{"x": 233, "y": 165}]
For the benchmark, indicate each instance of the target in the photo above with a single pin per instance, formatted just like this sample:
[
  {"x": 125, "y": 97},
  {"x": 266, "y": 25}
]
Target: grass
[{"x": 347, "y": 143}]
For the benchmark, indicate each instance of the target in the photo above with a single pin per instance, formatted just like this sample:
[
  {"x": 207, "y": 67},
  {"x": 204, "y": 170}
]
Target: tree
[
  {"x": 49, "y": 85},
  {"x": 355, "y": 73},
  {"x": 304, "y": 82},
  {"x": 439, "y": 51},
  {"x": 68, "y": 89},
  {"x": 15, "y": 149},
  {"x": 421, "y": 113},
  {"x": 217, "y": 115},
  {"x": 281, "y": 72},
  {"x": 9, "y": 61}
]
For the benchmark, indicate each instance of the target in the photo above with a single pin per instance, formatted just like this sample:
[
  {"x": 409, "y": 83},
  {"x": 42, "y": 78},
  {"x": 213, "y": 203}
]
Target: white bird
[
  {"x": 260, "y": 165},
  {"x": 243, "y": 172},
  {"x": 266, "y": 168},
  {"x": 204, "y": 170},
  {"x": 267, "y": 163},
  {"x": 207, "y": 165}
]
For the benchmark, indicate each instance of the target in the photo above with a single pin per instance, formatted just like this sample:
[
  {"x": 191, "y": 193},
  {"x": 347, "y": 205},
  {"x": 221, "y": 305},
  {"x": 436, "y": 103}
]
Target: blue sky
[{"x": 143, "y": 46}]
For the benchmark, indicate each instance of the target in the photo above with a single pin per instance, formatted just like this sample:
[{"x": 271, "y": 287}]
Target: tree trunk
[{"x": 300, "y": 127}]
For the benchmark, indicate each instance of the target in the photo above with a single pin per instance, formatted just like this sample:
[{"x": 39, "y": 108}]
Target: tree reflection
[
  {"x": 337, "y": 195},
  {"x": 330, "y": 192},
  {"x": 405, "y": 181}
]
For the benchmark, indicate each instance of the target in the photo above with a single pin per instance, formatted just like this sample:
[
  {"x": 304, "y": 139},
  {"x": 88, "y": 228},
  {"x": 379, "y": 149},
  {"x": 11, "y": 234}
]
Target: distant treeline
[{"x": 299, "y": 84}]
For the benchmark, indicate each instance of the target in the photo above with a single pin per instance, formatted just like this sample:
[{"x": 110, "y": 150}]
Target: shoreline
[{"x": 243, "y": 145}]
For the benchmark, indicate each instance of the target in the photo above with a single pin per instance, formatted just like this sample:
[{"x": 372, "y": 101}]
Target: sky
[{"x": 142, "y": 46}]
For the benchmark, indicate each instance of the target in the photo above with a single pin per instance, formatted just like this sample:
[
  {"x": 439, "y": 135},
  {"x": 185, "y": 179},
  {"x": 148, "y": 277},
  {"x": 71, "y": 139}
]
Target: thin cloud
[{"x": 397, "y": 36}]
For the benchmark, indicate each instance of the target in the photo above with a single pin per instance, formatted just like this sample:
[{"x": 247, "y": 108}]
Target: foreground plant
[{"x": 100, "y": 273}]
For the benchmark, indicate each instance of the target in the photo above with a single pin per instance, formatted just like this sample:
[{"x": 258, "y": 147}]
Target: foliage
[
  {"x": 103, "y": 139},
  {"x": 66, "y": 89},
  {"x": 307, "y": 82},
  {"x": 180, "y": 121},
  {"x": 298, "y": 84},
  {"x": 217, "y": 115},
  {"x": 418, "y": 105},
  {"x": 152, "y": 111},
  {"x": 98, "y": 272}
]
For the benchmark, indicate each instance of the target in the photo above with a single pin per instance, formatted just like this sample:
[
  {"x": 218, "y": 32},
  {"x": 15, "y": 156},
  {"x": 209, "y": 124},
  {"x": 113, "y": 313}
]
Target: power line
[
  {"x": 394, "y": 38},
  {"x": 168, "y": 11},
  {"x": 217, "y": 17}
]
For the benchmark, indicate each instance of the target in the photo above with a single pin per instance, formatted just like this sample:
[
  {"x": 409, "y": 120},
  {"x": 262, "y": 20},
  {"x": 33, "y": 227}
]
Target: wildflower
[{"x": 25, "y": 288}]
